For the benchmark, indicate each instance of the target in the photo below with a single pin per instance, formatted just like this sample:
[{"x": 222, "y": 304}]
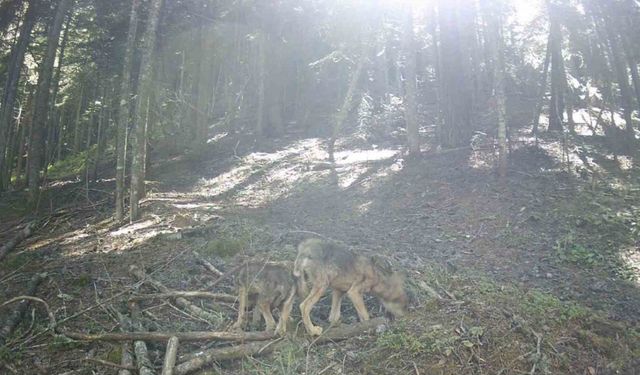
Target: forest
[{"x": 466, "y": 173}]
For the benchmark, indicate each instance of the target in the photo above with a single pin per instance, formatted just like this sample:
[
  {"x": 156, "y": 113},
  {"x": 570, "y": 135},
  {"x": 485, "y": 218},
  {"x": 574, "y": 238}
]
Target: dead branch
[
  {"x": 24, "y": 233},
  {"x": 127, "y": 359},
  {"x": 195, "y": 310},
  {"x": 52, "y": 318},
  {"x": 203, "y": 358},
  {"x": 170, "y": 356},
  {"x": 200, "y": 259},
  {"x": 111, "y": 364},
  {"x": 139, "y": 346},
  {"x": 192, "y": 294},
  {"x": 14, "y": 319},
  {"x": 164, "y": 336}
]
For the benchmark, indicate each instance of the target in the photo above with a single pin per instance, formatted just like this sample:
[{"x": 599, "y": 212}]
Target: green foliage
[
  {"x": 9, "y": 355},
  {"x": 545, "y": 306},
  {"x": 73, "y": 165},
  {"x": 15, "y": 261},
  {"x": 224, "y": 247},
  {"x": 61, "y": 342},
  {"x": 82, "y": 281},
  {"x": 569, "y": 250}
]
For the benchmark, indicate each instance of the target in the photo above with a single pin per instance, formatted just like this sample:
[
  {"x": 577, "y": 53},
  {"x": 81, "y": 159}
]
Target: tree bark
[
  {"x": 455, "y": 91},
  {"x": 124, "y": 110},
  {"x": 11, "y": 88},
  {"x": 411, "y": 90},
  {"x": 41, "y": 105},
  {"x": 542, "y": 89},
  {"x": 496, "y": 43},
  {"x": 142, "y": 100},
  {"x": 558, "y": 78}
]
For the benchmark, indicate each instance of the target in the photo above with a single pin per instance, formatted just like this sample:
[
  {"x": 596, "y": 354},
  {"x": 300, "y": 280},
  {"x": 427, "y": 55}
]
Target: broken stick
[
  {"x": 12, "y": 243},
  {"x": 180, "y": 301},
  {"x": 164, "y": 336},
  {"x": 14, "y": 319},
  {"x": 206, "y": 264},
  {"x": 170, "y": 356},
  {"x": 201, "y": 359},
  {"x": 191, "y": 294}
]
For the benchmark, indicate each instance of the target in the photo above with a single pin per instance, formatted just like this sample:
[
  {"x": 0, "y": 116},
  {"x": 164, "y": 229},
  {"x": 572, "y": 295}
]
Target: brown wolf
[
  {"x": 266, "y": 285},
  {"x": 326, "y": 264}
]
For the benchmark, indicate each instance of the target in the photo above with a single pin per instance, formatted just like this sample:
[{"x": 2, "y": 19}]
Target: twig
[
  {"x": 207, "y": 264},
  {"x": 111, "y": 364},
  {"x": 165, "y": 336},
  {"x": 188, "y": 294}
]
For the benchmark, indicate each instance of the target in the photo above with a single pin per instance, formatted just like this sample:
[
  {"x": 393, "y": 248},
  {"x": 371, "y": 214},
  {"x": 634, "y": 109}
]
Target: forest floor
[{"x": 536, "y": 273}]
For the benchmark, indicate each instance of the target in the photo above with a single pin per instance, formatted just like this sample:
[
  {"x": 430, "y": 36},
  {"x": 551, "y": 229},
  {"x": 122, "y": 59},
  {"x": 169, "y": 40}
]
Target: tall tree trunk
[
  {"x": 496, "y": 44},
  {"x": 347, "y": 103},
  {"x": 142, "y": 100},
  {"x": 54, "y": 121},
  {"x": 621, "y": 74},
  {"x": 124, "y": 110},
  {"x": 41, "y": 105},
  {"x": 77, "y": 131},
  {"x": 455, "y": 91},
  {"x": 262, "y": 62},
  {"x": 556, "y": 107},
  {"x": 542, "y": 89},
  {"x": 411, "y": 90},
  {"x": 11, "y": 86}
]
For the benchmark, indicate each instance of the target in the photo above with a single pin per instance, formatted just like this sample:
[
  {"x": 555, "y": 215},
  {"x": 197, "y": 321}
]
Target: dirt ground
[{"x": 536, "y": 273}]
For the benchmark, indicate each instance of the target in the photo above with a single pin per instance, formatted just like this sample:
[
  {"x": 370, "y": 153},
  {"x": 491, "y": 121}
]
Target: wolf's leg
[
  {"x": 265, "y": 309},
  {"x": 305, "y": 307},
  {"x": 285, "y": 311},
  {"x": 242, "y": 307},
  {"x": 355, "y": 295},
  {"x": 336, "y": 302}
]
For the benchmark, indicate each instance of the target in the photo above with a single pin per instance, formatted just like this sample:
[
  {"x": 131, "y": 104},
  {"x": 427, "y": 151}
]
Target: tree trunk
[
  {"x": 496, "y": 44},
  {"x": 344, "y": 110},
  {"x": 11, "y": 87},
  {"x": 144, "y": 86},
  {"x": 262, "y": 61},
  {"x": 411, "y": 90},
  {"x": 542, "y": 89},
  {"x": 621, "y": 74},
  {"x": 556, "y": 107},
  {"x": 53, "y": 111},
  {"x": 124, "y": 110},
  {"x": 77, "y": 131},
  {"x": 41, "y": 105},
  {"x": 455, "y": 91}
]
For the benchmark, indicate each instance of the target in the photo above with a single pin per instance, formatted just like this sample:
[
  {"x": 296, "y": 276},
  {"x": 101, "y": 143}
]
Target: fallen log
[
  {"x": 206, "y": 264},
  {"x": 170, "y": 356},
  {"x": 16, "y": 316},
  {"x": 127, "y": 350},
  {"x": 164, "y": 336},
  {"x": 201, "y": 359},
  {"x": 24, "y": 233},
  {"x": 180, "y": 301},
  {"x": 139, "y": 346},
  {"x": 190, "y": 294}
]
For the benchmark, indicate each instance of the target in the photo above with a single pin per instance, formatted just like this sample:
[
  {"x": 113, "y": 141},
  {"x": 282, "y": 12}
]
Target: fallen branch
[
  {"x": 24, "y": 233},
  {"x": 200, "y": 259},
  {"x": 111, "y": 364},
  {"x": 139, "y": 346},
  {"x": 170, "y": 356},
  {"x": 199, "y": 360},
  {"x": 193, "y": 294},
  {"x": 14, "y": 319},
  {"x": 127, "y": 350},
  {"x": 164, "y": 336},
  {"x": 193, "y": 309}
]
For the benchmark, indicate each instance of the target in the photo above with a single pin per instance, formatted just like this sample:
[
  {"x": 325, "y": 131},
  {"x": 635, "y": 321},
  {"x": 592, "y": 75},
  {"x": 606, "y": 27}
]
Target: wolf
[
  {"x": 266, "y": 285},
  {"x": 326, "y": 264}
]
